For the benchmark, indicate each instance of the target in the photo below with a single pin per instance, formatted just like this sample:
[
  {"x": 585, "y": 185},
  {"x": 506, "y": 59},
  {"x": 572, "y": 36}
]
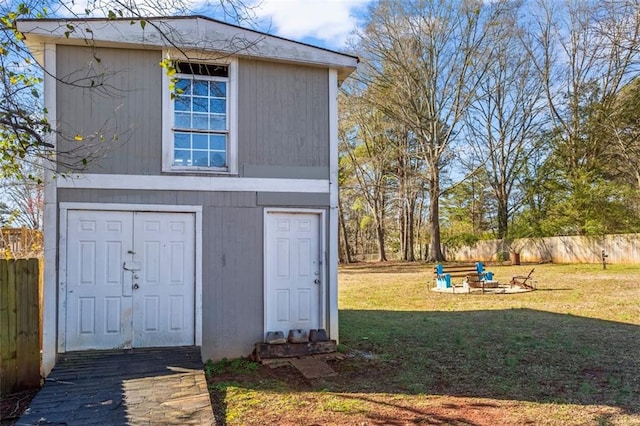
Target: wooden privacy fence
[
  {"x": 619, "y": 248},
  {"x": 19, "y": 325}
]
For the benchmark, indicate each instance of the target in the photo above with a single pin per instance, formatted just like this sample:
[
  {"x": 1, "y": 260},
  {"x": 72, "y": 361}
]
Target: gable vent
[{"x": 202, "y": 69}]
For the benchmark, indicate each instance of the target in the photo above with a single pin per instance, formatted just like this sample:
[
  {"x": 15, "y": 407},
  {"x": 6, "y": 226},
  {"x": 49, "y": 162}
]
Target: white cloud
[{"x": 330, "y": 21}]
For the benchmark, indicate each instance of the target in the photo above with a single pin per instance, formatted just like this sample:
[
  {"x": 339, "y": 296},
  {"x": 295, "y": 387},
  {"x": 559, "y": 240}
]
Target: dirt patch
[
  {"x": 354, "y": 406},
  {"x": 13, "y": 405},
  {"x": 369, "y": 389}
]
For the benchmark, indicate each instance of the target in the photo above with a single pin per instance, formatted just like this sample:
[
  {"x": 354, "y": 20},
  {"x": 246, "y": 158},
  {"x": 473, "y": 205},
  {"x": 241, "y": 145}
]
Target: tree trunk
[
  {"x": 503, "y": 216},
  {"x": 346, "y": 249},
  {"x": 422, "y": 254},
  {"x": 435, "y": 251},
  {"x": 407, "y": 214},
  {"x": 382, "y": 255},
  {"x": 410, "y": 254},
  {"x": 404, "y": 228}
]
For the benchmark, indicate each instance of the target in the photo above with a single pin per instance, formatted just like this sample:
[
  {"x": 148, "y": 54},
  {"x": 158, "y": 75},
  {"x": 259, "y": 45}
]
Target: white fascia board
[
  {"x": 195, "y": 33},
  {"x": 192, "y": 183}
]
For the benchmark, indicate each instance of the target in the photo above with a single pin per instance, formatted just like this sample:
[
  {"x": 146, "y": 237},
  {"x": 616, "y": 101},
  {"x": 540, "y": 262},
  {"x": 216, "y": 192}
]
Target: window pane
[
  {"x": 200, "y": 104},
  {"x": 182, "y": 120},
  {"x": 201, "y": 158},
  {"x": 181, "y": 157},
  {"x": 218, "y": 89},
  {"x": 182, "y": 140},
  {"x": 218, "y": 142},
  {"x": 200, "y": 121},
  {"x": 183, "y": 86},
  {"x": 201, "y": 88},
  {"x": 218, "y": 105},
  {"x": 218, "y": 159},
  {"x": 200, "y": 141},
  {"x": 218, "y": 122},
  {"x": 183, "y": 103}
]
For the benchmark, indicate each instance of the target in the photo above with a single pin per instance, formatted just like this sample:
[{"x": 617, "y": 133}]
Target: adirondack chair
[{"x": 524, "y": 281}]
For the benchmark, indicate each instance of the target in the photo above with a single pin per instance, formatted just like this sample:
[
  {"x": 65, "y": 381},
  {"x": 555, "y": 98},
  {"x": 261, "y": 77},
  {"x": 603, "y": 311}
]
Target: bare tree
[
  {"x": 23, "y": 198},
  {"x": 588, "y": 52},
  {"x": 408, "y": 172},
  {"x": 503, "y": 124},
  {"x": 363, "y": 141},
  {"x": 622, "y": 127},
  {"x": 428, "y": 57}
]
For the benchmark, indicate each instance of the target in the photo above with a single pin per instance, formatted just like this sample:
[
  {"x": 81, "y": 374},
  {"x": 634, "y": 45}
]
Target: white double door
[
  {"x": 129, "y": 279},
  {"x": 294, "y": 289}
]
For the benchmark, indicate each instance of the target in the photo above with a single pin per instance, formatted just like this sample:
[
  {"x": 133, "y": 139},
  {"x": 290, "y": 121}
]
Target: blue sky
[{"x": 326, "y": 23}]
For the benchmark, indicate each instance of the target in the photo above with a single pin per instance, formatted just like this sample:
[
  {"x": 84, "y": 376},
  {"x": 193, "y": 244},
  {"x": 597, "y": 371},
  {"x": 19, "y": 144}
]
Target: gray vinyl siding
[
  {"x": 190, "y": 198},
  {"x": 233, "y": 309},
  {"x": 291, "y": 172},
  {"x": 284, "y": 117},
  {"x": 288, "y": 199},
  {"x": 119, "y": 118},
  {"x": 232, "y": 256}
]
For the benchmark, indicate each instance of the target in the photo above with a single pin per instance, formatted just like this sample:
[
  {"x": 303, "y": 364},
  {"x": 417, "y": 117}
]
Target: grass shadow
[
  {"x": 218, "y": 394},
  {"x": 514, "y": 354},
  {"x": 555, "y": 289},
  {"x": 419, "y": 416},
  {"x": 393, "y": 267}
]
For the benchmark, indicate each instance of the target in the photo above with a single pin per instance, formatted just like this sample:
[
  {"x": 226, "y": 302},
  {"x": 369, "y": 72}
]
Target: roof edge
[{"x": 189, "y": 17}]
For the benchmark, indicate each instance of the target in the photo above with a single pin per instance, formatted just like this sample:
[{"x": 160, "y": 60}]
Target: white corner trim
[
  {"x": 193, "y": 183},
  {"x": 196, "y": 210},
  {"x": 50, "y": 224},
  {"x": 332, "y": 256}
]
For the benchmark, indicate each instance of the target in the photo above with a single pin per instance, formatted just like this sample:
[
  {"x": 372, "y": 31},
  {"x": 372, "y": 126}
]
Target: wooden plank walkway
[{"x": 124, "y": 387}]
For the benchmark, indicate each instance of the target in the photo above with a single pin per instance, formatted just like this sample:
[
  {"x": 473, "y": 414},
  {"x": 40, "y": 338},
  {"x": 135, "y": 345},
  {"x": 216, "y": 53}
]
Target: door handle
[
  {"x": 317, "y": 281},
  {"x": 136, "y": 286}
]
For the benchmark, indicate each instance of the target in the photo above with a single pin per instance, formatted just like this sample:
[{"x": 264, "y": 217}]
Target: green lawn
[{"x": 567, "y": 353}]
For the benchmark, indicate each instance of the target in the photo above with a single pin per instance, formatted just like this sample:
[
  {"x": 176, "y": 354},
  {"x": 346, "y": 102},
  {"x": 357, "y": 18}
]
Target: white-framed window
[{"x": 199, "y": 117}]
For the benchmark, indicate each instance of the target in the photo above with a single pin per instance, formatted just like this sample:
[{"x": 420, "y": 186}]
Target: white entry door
[
  {"x": 130, "y": 279},
  {"x": 294, "y": 285}
]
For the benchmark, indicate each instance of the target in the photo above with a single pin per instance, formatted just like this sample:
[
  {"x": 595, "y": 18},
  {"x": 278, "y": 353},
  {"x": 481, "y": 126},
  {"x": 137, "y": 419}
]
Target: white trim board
[
  {"x": 64, "y": 209},
  {"x": 332, "y": 255},
  {"x": 50, "y": 225},
  {"x": 191, "y": 183},
  {"x": 232, "y": 115}
]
